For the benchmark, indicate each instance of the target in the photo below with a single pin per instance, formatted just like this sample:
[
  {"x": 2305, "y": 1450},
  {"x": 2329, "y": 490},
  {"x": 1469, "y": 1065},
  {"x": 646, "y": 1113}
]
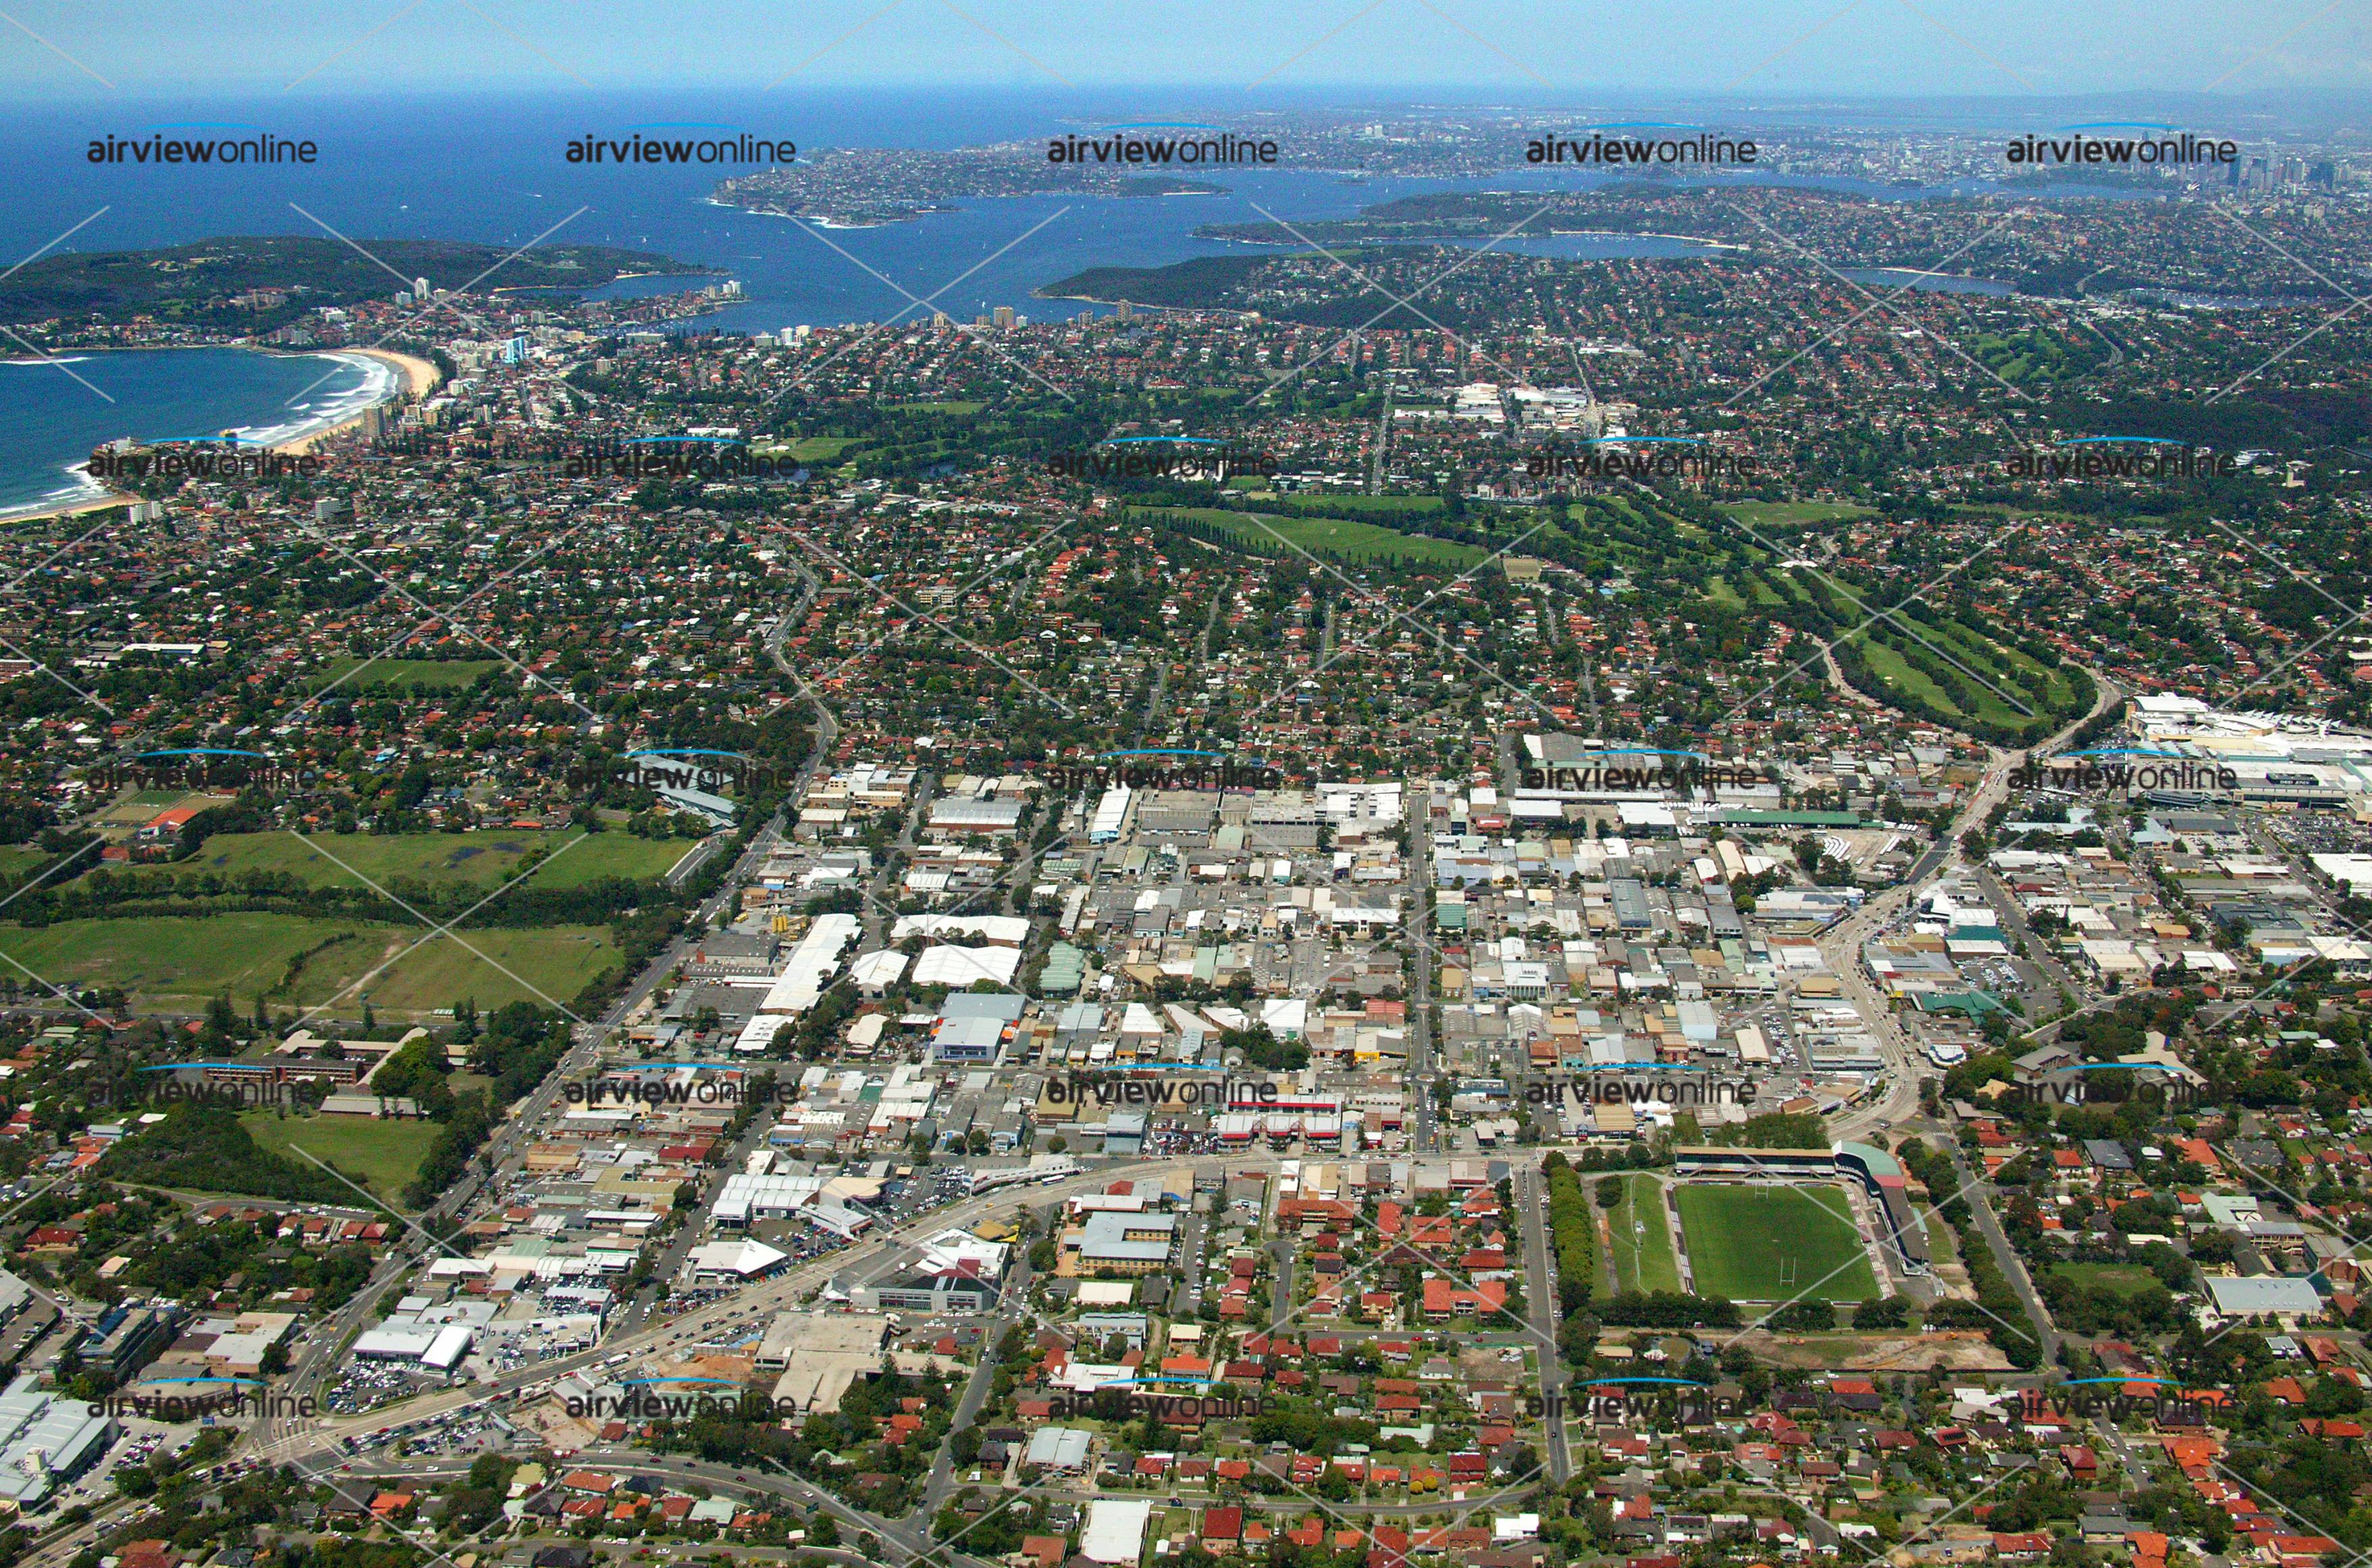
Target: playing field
[
  {"x": 1272, "y": 535},
  {"x": 1774, "y": 1244},
  {"x": 384, "y": 1155},
  {"x": 440, "y": 675},
  {"x": 1790, "y": 514},
  {"x": 567, "y": 858},
  {"x": 1640, "y": 1240},
  {"x": 178, "y": 964},
  {"x": 548, "y": 965},
  {"x": 174, "y": 964},
  {"x": 2122, "y": 1278}
]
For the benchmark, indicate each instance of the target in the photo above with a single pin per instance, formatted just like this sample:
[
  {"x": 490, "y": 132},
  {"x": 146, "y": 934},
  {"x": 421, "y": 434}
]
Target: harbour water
[{"x": 493, "y": 169}]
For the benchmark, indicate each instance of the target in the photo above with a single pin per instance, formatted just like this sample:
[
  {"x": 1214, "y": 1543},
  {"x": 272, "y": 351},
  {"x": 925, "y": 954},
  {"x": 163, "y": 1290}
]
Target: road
[
  {"x": 2006, "y": 1258},
  {"x": 1012, "y": 1305},
  {"x": 774, "y": 1483},
  {"x": 1841, "y": 946},
  {"x": 766, "y": 1296},
  {"x": 2137, "y": 1476},
  {"x": 2038, "y": 953},
  {"x": 1532, "y": 1203},
  {"x": 759, "y": 1484},
  {"x": 315, "y": 1446},
  {"x": 320, "y": 1354},
  {"x": 1426, "y": 1133}
]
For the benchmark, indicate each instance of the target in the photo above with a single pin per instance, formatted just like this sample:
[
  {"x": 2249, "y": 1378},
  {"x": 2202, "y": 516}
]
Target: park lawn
[
  {"x": 1642, "y": 1256},
  {"x": 179, "y": 964},
  {"x": 1788, "y": 514},
  {"x": 442, "y": 675},
  {"x": 383, "y": 1156},
  {"x": 954, "y": 406},
  {"x": 1943, "y": 1243},
  {"x": 1269, "y": 535},
  {"x": 809, "y": 449},
  {"x": 16, "y": 860},
  {"x": 486, "y": 858},
  {"x": 2122, "y": 1278},
  {"x": 1996, "y": 661},
  {"x": 1381, "y": 505},
  {"x": 1774, "y": 1244},
  {"x": 1991, "y": 695},
  {"x": 548, "y": 965},
  {"x": 1890, "y": 666}
]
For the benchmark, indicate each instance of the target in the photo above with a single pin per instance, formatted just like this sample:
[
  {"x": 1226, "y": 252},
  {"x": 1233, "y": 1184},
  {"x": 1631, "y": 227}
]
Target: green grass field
[
  {"x": 557, "y": 960},
  {"x": 1943, "y": 1245},
  {"x": 2005, "y": 685},
  {"x": 382, "y": 1154},
  {"x": 175, "y": 963},
  {"x": 2122, "y": 1278},
  {"x": 179, "y": 965},
  {"x": 1359, "y": 541},
  {"x": 1982, "y": 667},
  {"x": 1642, "y": 1240},
  {"x": 442, "y": 675},
  {"x": 1379, "y": 506},
  {"x": 1774, "y": 1244},
  {"x": 18, "y": 860},
  {"x": 486, "y": 858},
  {"x": 1791, "y": 514},
  {"x": 808, "y": 449}
]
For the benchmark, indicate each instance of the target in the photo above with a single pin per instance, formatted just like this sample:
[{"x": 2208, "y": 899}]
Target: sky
[{"x": 1500, "y": 51}]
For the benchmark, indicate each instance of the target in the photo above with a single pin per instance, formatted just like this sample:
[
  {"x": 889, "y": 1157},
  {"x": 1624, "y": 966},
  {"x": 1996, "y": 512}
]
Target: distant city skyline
[{"x": 1511, "y": 50}]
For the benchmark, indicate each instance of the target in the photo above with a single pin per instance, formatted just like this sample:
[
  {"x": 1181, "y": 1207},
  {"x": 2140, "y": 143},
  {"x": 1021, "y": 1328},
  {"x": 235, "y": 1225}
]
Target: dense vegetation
[
  {"x": 190, "y": 284},
  {"x": 202, "y": 1146}
]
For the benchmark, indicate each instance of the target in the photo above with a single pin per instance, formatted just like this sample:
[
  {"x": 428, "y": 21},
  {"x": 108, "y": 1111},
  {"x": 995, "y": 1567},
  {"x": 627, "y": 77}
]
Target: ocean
[{"x": 52, "y": 421}]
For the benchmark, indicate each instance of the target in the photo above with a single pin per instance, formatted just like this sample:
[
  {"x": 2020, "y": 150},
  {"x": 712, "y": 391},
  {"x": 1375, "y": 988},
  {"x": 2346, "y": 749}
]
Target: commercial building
[
  {"x": 810, "y": 965},
  {"x": 45, "y": 1441},
  {"x": 822, "y": 1354},
  {"x": 1121, "y": 1243},
  {"x": 2265, "y": 1296}
]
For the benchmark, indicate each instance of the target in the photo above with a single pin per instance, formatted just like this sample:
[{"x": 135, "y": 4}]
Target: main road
[
  {"x": 1840, "y": 946},
  {"x": 322, "y": 1353}
]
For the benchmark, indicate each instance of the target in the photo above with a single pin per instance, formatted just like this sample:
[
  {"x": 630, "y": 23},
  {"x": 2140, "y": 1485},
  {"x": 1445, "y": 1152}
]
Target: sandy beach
[
  {"x": 419, "y": 380},
  {"x": 74, "y": 508}
]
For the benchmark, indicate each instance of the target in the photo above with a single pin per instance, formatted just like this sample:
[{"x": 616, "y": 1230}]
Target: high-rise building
[{"x": 1003, "y": 317}]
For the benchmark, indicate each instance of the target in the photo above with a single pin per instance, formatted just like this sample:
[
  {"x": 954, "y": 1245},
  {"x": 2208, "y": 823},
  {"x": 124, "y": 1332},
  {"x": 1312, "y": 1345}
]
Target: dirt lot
[{"x": 1959, "y": 1350}]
